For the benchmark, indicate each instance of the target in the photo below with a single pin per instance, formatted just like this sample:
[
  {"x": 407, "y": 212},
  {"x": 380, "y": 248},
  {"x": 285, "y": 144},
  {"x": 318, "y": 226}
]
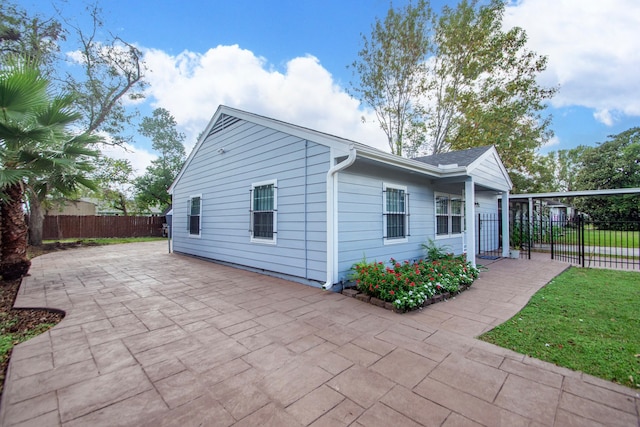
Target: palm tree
[
  {"x": 34, "y": 143},
  {"x": 59, "y": 170}
]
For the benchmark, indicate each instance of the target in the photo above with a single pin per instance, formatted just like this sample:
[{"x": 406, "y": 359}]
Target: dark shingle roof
[{"x": 461, "y": 158}]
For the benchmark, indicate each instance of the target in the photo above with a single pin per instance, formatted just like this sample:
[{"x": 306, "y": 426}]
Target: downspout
[{"x": 332, "y": 238}]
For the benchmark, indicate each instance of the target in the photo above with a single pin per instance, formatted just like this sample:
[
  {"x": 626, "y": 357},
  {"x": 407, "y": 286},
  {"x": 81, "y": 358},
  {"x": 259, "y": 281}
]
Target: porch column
[
  {"x": 505, "y": 224},
  {"x": 530, "y": 226},
  {"x": 470, "y": 219}
]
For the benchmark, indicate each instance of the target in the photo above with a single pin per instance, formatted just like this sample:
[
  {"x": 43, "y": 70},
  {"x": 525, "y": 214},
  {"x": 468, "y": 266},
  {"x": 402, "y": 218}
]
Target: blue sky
[{"x": 288, "y": 60}]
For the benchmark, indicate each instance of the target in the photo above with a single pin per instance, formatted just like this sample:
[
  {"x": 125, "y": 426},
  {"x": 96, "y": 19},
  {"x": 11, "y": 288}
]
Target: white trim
[
  {"x": 470, "y": 219},
  {"x": 340, "y": 145},
  {"x": 194, "y": 236},
  {"x": 575, "y": 193},
  {"x": 274, "y": 238},
  {"x": 393, "y": 240},
  {"x": 493, "y": 153},
  {"x": 505, "y": 225},
  {"x": 332, "y": 214}
]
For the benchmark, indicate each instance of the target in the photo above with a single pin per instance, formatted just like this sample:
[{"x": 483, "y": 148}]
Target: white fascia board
[
  {"x": 491, "y": 152},
  {"x": 407, "y": 164},
  {"x": 610, "y": 192},
  {"x": 195, "y": 149}
]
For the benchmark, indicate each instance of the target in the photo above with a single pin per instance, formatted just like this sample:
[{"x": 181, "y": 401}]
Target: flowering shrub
[{"x": 407, "y": 285}]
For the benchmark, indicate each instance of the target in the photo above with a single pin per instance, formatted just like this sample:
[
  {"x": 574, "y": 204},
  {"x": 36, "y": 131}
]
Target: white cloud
[
  {"x": 553, "y": 141},
  {"x": 604, "y": 116},
  {"x": 192, "y": 85},
  {"x": 592, "y": 48}
]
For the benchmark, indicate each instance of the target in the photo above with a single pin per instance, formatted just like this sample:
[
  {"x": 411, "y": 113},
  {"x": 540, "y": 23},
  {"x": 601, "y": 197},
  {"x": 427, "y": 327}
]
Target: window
[
  {"x": 263, "y": 212},
  {"x": 449, "y": 215},
  {"x": 194, "y": 210},
  {"x": 395, "y": 210}
]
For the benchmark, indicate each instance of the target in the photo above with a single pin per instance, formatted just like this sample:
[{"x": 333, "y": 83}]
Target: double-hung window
[
  {"x": 395, "y": 213},
  {"x": 264, "y": 210},
  {"x": 194, "y": 212},
  {"x": 449, "y": 215}
]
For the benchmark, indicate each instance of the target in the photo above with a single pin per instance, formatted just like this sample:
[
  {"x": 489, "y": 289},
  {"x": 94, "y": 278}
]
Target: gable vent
[{"x": 223, "y": 122}]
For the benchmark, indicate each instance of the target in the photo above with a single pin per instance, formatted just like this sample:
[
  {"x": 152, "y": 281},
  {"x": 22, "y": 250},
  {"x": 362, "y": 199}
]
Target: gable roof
[
  {"x": 225, "y": 116},
  {"x": 460, "y": 158}
]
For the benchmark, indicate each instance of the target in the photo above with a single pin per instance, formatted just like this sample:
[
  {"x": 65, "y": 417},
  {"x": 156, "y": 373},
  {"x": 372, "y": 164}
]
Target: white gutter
[{"x": 332, "y": 214}]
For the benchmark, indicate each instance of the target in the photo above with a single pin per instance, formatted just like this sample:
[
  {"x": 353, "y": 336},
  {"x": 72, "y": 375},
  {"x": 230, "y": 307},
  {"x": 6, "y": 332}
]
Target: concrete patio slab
[{"x": 151, "y": 338}]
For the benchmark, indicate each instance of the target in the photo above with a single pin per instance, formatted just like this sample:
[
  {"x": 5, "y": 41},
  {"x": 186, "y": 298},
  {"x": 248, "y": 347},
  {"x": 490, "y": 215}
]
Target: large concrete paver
[{"x": 151, "y": 338}]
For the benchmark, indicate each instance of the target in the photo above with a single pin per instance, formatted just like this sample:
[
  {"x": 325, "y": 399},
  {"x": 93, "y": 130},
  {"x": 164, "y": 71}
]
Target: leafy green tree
[
  {"x": 107, "y": 71},
  {"x": 168, "y": 142},
  {"x": 390, "y": 69},
  {"x": 612, "y": 164},
  {"x": 112, "y": 72},
  {"x": 34, "y": 141},
  {"x": 468, "y": 82},
  {"x": 555, "y": 171},
  {"x": 114, "y": 180},
  {"x": 489, "y": 90}
]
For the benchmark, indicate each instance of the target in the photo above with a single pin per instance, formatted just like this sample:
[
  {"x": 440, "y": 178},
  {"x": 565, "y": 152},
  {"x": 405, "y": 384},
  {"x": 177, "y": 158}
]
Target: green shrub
[
  {"x": 435, "y": 252},
  {"x": 407, "y": 285}
]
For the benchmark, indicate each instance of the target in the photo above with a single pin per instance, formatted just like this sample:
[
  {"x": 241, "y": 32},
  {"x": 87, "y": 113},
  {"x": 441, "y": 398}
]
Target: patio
[{"x": 152, "y": 338}]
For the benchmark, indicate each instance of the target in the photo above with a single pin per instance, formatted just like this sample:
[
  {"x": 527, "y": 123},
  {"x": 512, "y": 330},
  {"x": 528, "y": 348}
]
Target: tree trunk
[
  {"x": 36, "y": 221},
  {"x": 13, "y": 230}
]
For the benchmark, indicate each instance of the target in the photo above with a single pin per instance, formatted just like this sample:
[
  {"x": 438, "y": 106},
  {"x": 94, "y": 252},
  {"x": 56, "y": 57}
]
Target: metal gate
[{"x": 580, "y": 241}]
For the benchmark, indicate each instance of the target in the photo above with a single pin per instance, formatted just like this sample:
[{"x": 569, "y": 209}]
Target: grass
[
  {"x": 107, "y": 241},
  {"x": 595, "y": 237},
  {"x": 585, "y": 320},
  {"x": 9, "y": 340}
]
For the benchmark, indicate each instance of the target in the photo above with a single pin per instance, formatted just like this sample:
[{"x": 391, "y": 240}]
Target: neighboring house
[
  {"x": 73, "y": 207},
  {"x": 293, "y": 202}
]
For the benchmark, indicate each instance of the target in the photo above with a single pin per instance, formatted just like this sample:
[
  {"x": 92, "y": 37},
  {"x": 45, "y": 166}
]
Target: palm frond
[
  {"x": 12, "y": 176},
  {"x": 23, "y": 90}
]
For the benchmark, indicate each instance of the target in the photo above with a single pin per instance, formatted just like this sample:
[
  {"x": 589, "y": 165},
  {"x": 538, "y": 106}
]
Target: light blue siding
[
  {"x": 360, "y": 218},
  {"x": 489, "y": 174},
  {"x": 222, "y": 171}
]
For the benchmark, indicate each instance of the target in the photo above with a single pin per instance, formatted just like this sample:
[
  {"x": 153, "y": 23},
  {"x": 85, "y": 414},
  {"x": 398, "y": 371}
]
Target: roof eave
[{"x": 407, "y": 164}]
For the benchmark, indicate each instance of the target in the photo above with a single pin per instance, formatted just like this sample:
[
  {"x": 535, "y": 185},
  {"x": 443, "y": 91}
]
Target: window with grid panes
[
  {"x": 449, "y": 215},
  {"x": 395, "y": 212},
  {"x": 194, "y": 209},
  {"x": 263, "y": 211},
  {"x": 442, "y": 215}
]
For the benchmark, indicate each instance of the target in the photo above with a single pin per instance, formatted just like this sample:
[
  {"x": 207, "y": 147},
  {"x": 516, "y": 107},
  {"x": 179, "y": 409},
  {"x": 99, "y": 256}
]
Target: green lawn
[
  {"x": 585, "y": 319},
  {"x": 106, "y": 241},
  {"x": 593, "y": 237}
]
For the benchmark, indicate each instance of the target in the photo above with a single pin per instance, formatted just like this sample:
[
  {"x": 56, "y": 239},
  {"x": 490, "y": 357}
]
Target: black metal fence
[
  {"x": 588, "y": 243},
  {"x": 489, "y": 236},
  {"x": 577, "y": 239}
]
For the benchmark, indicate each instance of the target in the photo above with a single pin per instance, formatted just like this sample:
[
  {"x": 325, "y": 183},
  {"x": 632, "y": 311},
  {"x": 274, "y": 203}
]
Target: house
[
  {"x": 293, "y": 202},
  {"x": 73, "y": 207}
]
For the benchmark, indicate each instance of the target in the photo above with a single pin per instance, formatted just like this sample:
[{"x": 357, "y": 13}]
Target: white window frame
[
  {"x": 449, "y": 215},
  {"x": 189, "y": 202},
  {"x": 394, "y": 240},
  {"x": 274, "y": 238}
]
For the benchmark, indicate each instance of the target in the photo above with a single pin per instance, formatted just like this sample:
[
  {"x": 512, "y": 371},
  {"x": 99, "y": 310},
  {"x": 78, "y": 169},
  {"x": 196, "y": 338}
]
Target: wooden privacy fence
[{"x": 71, "y": 227}]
